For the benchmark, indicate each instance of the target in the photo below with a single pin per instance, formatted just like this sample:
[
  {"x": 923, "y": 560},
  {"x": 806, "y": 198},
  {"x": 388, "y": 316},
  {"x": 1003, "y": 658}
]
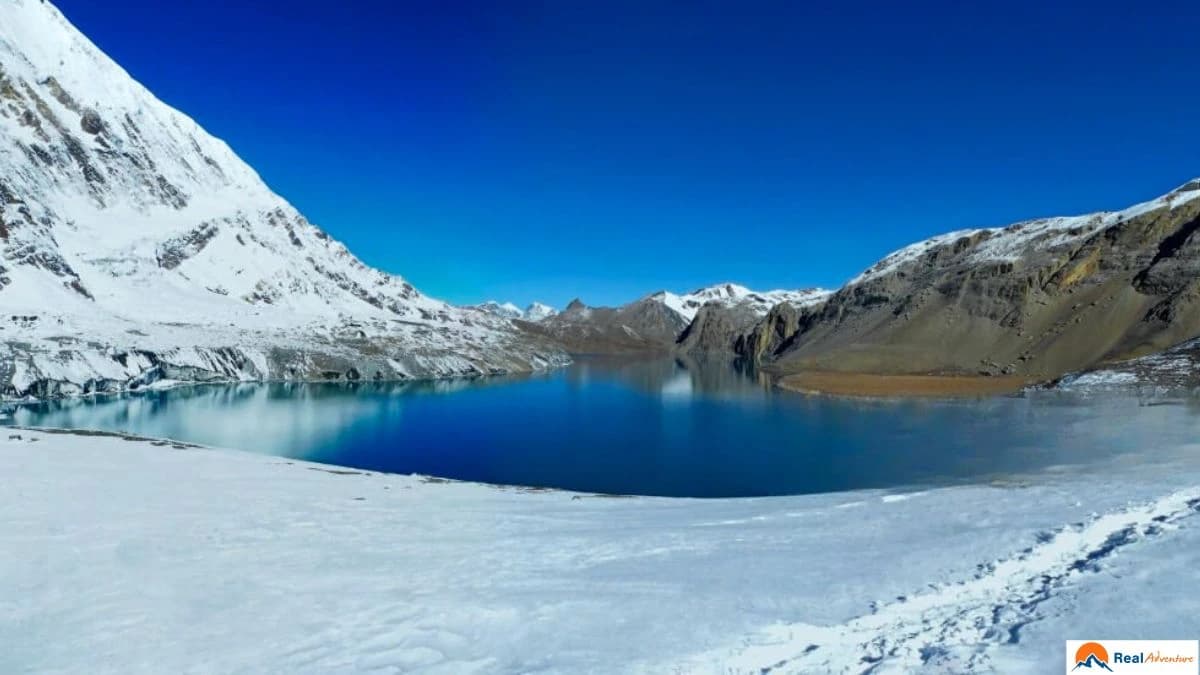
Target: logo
[
  {"x": 1091, "y": 655},
  {"x": 1138, "y": 657}
]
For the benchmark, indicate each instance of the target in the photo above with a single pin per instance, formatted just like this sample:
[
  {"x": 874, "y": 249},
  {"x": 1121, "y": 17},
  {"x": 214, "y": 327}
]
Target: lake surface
[{"x": 651, "y": 427}]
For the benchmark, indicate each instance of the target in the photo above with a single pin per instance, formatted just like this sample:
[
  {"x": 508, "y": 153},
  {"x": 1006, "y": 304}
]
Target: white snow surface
[
  {"x": 131, "y": 556},
  {"x": 124, "y": 223},
  {"x": 688, "y": 304},
  {"x": 1161, "y": 374},
  {"x": 1097, "y": 378},
  {"x": 1010, "y": 242}
]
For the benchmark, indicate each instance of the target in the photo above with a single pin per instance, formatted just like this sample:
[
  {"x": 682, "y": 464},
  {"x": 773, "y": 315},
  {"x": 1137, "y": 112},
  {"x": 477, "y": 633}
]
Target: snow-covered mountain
[
  {"x": 534, "y": 312},
  {"x": 506, "y": 310},
  {"x": 728, "y": 295},
  {"x": 723, "y": 319},
  {"x": 134, "y": 246},
  {"x": 658, "y": 321},
  {"x": 538, "y": 311}
]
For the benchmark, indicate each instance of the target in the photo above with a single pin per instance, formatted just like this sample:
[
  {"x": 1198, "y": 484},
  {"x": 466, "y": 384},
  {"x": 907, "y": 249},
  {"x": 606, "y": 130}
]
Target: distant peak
[
  {"x": 722, "y": 290},
  {"x": 534, "y": 312},
  {"x": 728, "y": 294}
]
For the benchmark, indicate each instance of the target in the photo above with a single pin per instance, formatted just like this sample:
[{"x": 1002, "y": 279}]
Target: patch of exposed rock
[
  {"x": 750, "y": 329},
  {"x": 770, "y": 334},
  {"x": 719, "y": 328}
]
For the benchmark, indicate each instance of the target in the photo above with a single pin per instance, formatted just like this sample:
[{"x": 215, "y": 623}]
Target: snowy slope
[
  {"x": 140, "y": 557},
  {"x": 126, "y": 227},
  {"x": 728, "y": 295},
  {"x": 1174, "y": 372}
]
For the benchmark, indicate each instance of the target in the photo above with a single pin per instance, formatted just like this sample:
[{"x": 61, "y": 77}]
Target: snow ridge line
[{"x": 952, "y": 627}]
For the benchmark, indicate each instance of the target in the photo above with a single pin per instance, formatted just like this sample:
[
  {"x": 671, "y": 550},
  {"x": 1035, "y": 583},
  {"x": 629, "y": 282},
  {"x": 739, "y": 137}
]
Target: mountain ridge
[
  {"x": 535, "y": 311},
  {"x": 658, "y": 321},
  {"x": 1035, "y": 299}
]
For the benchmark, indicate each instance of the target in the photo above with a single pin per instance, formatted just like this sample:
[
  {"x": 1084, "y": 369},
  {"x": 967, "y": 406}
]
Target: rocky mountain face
[
  {"x": 733, "y": 295},
  {"x": 646, "y": 325},
  {"x": 1035, "y": 299},
  {"x": 534, "y": 312},
  {"x": 710, "y": 319},
  {"x": 732, "y": 325},
  {"x": 134, "y": 247}
]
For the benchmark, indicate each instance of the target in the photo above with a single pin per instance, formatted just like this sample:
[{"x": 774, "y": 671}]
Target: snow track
[{"x": 953, "y": 628}]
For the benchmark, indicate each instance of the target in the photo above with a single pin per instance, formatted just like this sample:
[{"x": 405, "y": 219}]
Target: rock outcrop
[
  {"x": 535, "y": 311},
  {"x": 768, "y": 336},
  {"x": 718, "y": 329}
]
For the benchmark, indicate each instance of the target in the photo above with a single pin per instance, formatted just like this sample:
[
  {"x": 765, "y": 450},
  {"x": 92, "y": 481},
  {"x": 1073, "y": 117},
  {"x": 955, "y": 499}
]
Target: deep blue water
[{"x": 656, "y": 427}]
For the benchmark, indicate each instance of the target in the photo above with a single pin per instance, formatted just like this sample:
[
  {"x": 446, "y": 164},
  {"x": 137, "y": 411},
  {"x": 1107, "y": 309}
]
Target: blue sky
[{"x": 548, "y": 150}]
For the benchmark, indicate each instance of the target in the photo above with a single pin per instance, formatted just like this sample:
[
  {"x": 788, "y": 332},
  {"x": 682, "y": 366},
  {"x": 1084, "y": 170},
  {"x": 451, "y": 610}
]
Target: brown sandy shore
[{"x": 932, "y": 386}]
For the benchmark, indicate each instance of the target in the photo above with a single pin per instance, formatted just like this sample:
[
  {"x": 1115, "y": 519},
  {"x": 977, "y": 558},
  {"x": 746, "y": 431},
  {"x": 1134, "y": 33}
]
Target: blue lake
[{"x": 651, "y": 427}]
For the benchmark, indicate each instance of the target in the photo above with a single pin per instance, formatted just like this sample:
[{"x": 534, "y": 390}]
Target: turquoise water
[{"x": 655, "y": 427}]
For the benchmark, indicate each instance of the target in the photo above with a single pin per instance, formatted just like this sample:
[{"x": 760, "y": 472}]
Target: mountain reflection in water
[{"x": 650, "y": 426}]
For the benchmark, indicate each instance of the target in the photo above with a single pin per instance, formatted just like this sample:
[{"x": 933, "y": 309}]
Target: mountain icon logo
[{"x": 1091, "y": 655}]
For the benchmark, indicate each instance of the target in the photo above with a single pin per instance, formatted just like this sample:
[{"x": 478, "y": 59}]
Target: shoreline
[
  {"x": 169, "y": 384},
  {"x": 887, "y": 494},
  {"x": 867, "y": 385}
]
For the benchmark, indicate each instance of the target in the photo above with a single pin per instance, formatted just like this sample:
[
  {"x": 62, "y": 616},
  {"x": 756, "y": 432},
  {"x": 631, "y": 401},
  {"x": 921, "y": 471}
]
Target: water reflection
[
  {"x": 679, "y": 377},
  {"x": 654, "y": 426},
  {"x": 289, "y": 418}
]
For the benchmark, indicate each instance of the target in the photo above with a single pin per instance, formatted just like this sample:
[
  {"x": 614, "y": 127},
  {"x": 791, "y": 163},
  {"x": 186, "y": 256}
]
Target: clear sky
[{"x": 546, "y": 150}]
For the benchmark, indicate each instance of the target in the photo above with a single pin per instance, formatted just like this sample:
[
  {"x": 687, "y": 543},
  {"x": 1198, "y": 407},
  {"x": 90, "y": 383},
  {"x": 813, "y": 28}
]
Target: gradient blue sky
[{"x": 547, "y": 150}]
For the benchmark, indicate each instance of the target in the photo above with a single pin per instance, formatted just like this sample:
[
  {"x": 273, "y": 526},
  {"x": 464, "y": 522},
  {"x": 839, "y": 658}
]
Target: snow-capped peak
[
  {"x": 728, "y": 294},
  {"x": 538, "y": 311},
  {"x": 505, "y": 309},
  {"x": 534, "y": 312}
]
